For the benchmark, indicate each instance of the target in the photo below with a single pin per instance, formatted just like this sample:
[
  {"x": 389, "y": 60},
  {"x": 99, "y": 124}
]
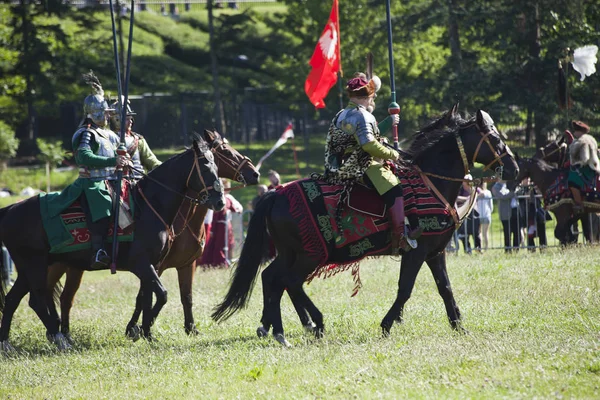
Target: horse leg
[
  {"x": 301, "y": 300},
  {"x": 13, "y": 298},
  {"x": 55, "y": 272},
  {"x": 409, "y": 269},
  {"x": 132, "y": 330},
  {"x": 67, "y": 298},
  {"x": 38, "y": 279},
  {"x": 437, "y": 265},
  {"x": 185, "y": 275},
  {"x": 267, "y": 277},
  {"x": 150, "y": 283},
  {"x": 161, "y": 299}
]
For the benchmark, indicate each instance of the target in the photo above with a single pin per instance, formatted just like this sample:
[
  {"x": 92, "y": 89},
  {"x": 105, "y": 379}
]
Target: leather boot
[
  {"x": 100, "y": 259},
  {"x": 399, "y": 236},
  {"x": 578, "y": 201}
]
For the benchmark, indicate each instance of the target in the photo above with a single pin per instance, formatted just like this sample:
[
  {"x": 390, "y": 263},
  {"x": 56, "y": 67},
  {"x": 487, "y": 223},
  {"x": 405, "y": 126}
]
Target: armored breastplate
[
  {"x": 106, "y": 141},
  {"x": 131, "y": 142}
]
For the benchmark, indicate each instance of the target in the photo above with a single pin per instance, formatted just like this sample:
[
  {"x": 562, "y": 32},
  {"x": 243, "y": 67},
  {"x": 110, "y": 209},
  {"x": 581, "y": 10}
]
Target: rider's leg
[
  {"x": 576, "y": 192},
  {"x": 98, "y": 231}
]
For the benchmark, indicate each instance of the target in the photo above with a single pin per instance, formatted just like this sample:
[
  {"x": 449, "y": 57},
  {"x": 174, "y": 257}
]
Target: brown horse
[
  {"x": 557, "y": 153},
  {"x": 187, "y": 246}
]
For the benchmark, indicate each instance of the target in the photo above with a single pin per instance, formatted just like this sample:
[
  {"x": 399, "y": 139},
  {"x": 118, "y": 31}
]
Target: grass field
[{"x": 533, "y": 323}]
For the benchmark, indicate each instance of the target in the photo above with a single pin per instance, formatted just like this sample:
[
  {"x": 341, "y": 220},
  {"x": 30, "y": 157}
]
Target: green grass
[{"x": 532, "y": 321}]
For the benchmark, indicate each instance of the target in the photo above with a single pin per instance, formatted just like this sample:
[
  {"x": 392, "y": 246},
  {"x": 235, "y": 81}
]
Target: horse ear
[
  {"x": 517, "y": 158},
  {"x": 210, "y": 136}
]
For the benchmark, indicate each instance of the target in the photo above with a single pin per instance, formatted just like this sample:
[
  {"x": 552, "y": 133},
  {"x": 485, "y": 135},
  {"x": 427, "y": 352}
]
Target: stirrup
[{"x": 100, "y": 260}]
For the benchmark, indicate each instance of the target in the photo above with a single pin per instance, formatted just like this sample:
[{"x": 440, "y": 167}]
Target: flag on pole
[
  {"x": 584, "y": 60},
  {"x": 325, "y": 61},
  {"x": 287, "y": 134}
]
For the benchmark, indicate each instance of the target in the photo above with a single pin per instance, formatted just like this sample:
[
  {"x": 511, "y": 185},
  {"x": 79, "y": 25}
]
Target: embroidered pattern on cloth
[{"x": 558, "y": 193}]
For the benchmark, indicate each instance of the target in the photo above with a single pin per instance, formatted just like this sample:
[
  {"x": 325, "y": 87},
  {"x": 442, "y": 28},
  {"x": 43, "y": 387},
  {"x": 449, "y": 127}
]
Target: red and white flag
[
  {"x": 325, "y": 61},
  {"x": 287, "y": 134}
]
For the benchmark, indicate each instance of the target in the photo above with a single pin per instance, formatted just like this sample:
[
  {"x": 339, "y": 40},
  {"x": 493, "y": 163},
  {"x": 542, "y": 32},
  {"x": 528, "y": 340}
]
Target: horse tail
[
  {"x": 3, "y": 269},
  {"x": 246, "y": 271}
]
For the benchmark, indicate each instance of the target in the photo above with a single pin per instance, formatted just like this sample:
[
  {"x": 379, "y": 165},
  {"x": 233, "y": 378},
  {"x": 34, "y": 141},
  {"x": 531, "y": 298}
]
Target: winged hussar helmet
[{"x": 94, "y": 105}]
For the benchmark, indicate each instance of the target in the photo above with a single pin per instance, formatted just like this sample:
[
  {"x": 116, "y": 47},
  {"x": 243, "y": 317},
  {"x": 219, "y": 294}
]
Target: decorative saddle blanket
[
  {"x": 364, "y": 227},
  {"x": 559, "y": 193},
  {"x": 70, "y": 232}
]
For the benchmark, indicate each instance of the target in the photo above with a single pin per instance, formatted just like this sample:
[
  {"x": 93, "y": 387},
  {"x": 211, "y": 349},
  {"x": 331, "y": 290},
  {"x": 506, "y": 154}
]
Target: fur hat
[
  {"x": 580, "y": 126},
  {"x": 359, "y": 86}
]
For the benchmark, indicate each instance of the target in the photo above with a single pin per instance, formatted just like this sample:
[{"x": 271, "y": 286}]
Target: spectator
[
  {"x": 485, "y": 207},
  {"x": 508, "y": 213},
  {"x": 260, "y": 191},
  {"x": 274, "y": 179},
  {"x": 207, "y": 224},
  {"x": 536, "y": 220},
  {"x": 219, "y": 247},
  {"x": 233, "y": 4},
  {"x": 470, "y": 225}
]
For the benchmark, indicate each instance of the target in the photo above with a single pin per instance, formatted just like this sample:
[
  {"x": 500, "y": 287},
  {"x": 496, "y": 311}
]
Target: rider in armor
[
  {"x": 355, "y": 150},
  {"x": 583, "y": 155},
  {"x": 94, "y": 148},
  {"x": 142, "y": 156}
]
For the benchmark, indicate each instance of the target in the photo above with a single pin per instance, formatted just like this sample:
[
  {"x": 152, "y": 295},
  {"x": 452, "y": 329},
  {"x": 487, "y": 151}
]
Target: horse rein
[{"x": 236, "y": 170}]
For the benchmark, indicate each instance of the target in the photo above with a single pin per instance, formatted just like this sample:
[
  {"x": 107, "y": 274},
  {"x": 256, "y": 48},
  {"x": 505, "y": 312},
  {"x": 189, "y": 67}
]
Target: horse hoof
[
  {"x": 262, "y": 332},
  {"x": 192, "y": 330},
  {"x": 385, "y": 331},
  {"x": 60, "y": 341},
  {"x": 133, "y": 332},
  {"x": 310, "y": 327},
  {"x": 319, "y": 332},
  {"x": 458, "y": 328},
  {"x": 282, "y": 340},
  {"x": 6, "y": 347}
]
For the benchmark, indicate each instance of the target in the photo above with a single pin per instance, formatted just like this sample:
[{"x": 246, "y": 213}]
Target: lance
[
  {"x": 122, "y": 149},
  {"x": 393, "y": 108}
]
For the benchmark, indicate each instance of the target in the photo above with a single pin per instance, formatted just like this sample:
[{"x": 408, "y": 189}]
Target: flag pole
[
  {"x": 121, "y": 150},
  {"x": 393, "y": 107},
  {"x": 339, "y": 55}
]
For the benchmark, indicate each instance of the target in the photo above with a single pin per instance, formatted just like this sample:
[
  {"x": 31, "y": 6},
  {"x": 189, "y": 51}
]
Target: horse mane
[
  {"x": 544, "y": 166},
  {"x": 434, "y": 132}
]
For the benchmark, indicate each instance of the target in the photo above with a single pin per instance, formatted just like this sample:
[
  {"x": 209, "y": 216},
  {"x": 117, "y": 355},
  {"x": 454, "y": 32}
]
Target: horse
[
  {"x": 557, "y": 153},
  {"x": 158, "y": 198},
  {"x": 187, "y": 246},
  {"x": 443, "y": 154},
  {"x": 543, "y": 176}
]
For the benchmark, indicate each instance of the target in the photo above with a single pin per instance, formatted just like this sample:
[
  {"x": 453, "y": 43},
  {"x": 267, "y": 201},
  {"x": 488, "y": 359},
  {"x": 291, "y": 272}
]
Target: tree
[
  {"x": 8, "y": 144},
  {"x": 51, "y": 154}
]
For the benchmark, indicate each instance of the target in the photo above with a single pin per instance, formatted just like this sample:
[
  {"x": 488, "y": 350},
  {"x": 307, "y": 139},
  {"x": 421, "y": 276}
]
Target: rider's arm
[
  {"x": 378, "y": 150},
  {"x": 85, "y": 156},
  {"x": 149, "y": 160},
  {"x": 365, "y": 137}
]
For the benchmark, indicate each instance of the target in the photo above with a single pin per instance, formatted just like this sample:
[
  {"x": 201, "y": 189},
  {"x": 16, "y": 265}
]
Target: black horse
[
  {"x": 443, "y": 151},
  {"x": 543, "y": 175},
  {"x": 157, "y": 196}
]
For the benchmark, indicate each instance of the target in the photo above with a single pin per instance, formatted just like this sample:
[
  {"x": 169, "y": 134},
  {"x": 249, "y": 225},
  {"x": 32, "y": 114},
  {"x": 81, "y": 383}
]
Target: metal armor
[
  {"x": 358, "y": 121},
  {"x": 130, "y": 141},
  {"x": 95, "y": 108},
  {"x": 107, "y": 142}
]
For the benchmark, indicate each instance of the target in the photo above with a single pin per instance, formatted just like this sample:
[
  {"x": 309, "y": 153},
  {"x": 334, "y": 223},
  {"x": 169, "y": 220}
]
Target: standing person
[
  {"x": 260, "y": 191},
  {"x": 470, "y": 225},
  {"x": 536, "y": 220},
  {"x": 208, "y": 224},
  {"x": 355, "y": 151},
  {"x": 583, "y": 156},
  {"x": 220, "y": 244},
  {"x": 142, "y": 157},
  {"x": 485, "y": 207},
  {"x": 274, "y": 180},
  {"x": 94, "y": 148},
  {"x": 507, "y": 211}
]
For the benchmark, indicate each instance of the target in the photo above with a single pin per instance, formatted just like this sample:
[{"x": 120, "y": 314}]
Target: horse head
[
  {"x": 483, "y": 141},
  {"x": 553, "y": 152},
  {"x": 231, "y": 164},
  {"x": 203, "y": 177}
]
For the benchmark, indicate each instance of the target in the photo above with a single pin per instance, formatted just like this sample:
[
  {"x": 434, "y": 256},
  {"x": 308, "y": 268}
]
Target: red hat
[
  {"x": 580, "y": 126},
  {"x": 359, "y": 86}
]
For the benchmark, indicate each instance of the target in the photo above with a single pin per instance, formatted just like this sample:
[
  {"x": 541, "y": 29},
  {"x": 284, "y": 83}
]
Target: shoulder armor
[{"x": 360, "y": 122}]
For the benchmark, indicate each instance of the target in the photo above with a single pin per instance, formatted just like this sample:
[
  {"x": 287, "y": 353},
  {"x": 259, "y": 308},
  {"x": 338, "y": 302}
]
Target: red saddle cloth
[
  {"x": 75, "y": 223},
  {"x": 363, "y": 227},
  {"x": 559, "y": 193}
]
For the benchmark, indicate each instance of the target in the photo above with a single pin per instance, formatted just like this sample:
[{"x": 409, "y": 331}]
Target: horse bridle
[
  {"x": 217, "y": 144},
  {"x": 558, "y": 148}
]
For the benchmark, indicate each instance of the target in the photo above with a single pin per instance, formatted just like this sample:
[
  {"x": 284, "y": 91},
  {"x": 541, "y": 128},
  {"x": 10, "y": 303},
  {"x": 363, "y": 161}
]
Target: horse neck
[
  {"x": 173, "y": 173},
  {"x": 543, "y": 178},
  {"x": 447, "y": 163}
]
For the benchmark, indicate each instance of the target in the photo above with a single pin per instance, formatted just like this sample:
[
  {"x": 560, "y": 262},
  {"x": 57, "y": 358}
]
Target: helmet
[
  {"x": 94, "y": 105},
  {"x": 95, "y": 108},
  {"x": 116, "y": 115}
]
